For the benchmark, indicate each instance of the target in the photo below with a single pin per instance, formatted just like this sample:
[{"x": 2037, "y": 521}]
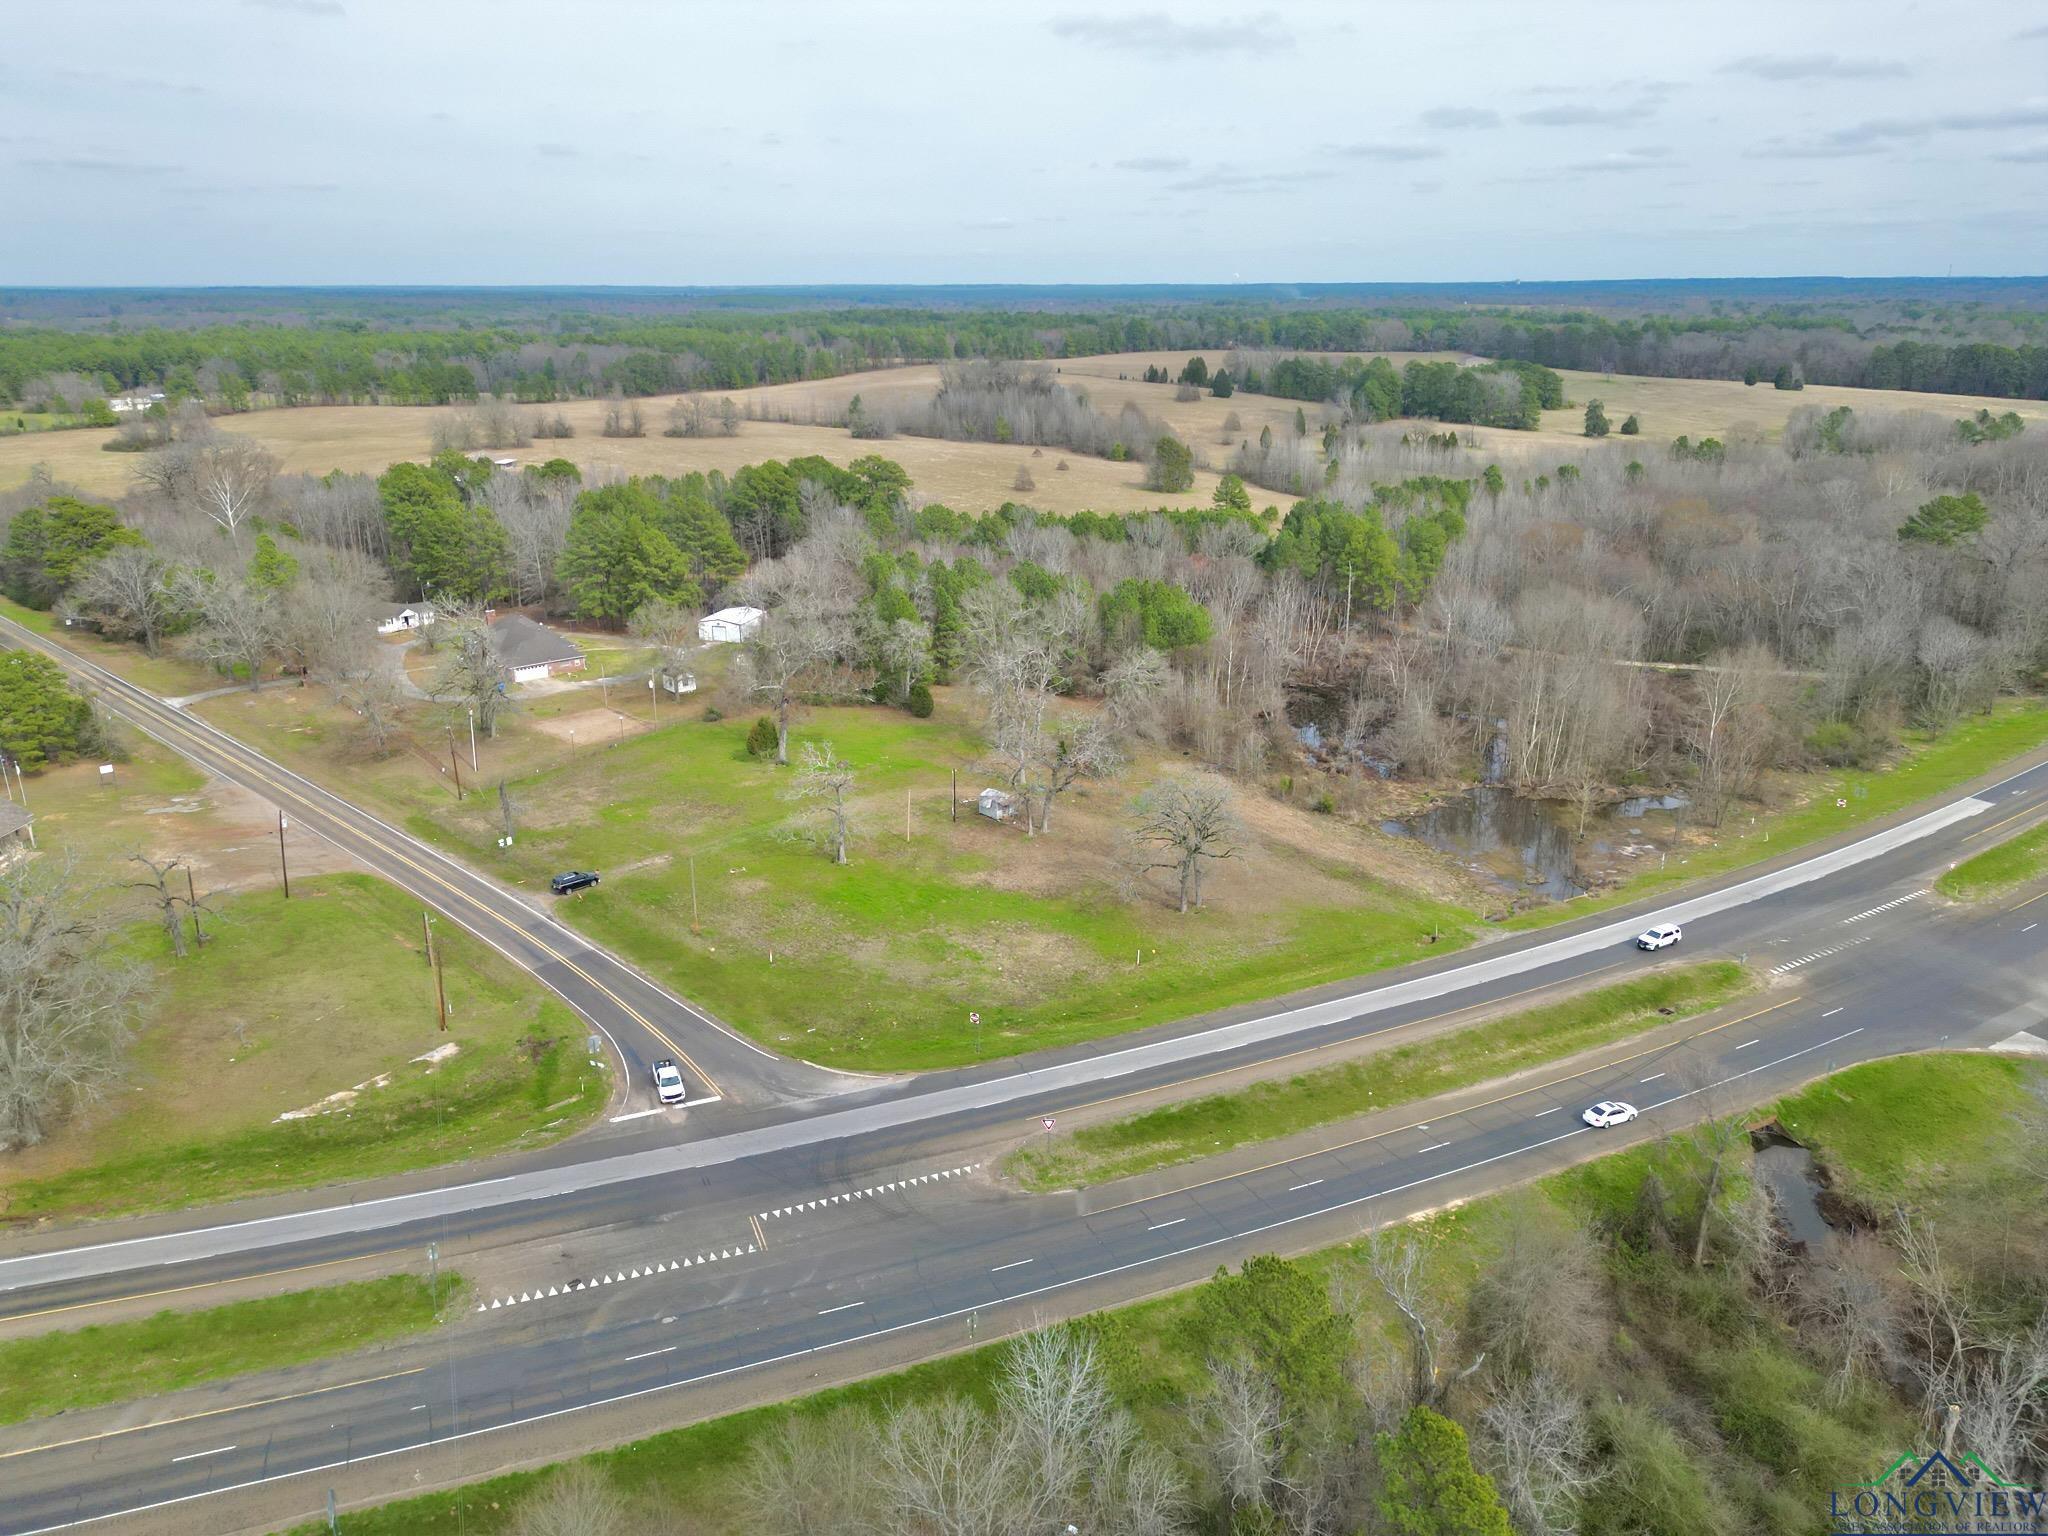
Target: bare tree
[
  {"x": 1730, "y": 730},
  {"x": 1851, "y": 1299},
  {"x": 671, "y": 628},
  {"x": 1087, "y": 750},
  {"x": 240, "y": 628},
  {"x": 943, "y": 1471},
  {"x": 1539, "y": 1301},
  {"x": 815, "y": 1477},
  {"x": 232, "y": 476},
  {"x": 66, "y": 1007},
  {"x": 1240, "y": 1435},
  {"x": 781, "y": 662},
  {"x": 375, "y": 696},
  {"x": 1397, "y": 1263},
  {"x": 129, "y": 590},
  {"x": 1184, "y": 823},
  {"x": 472, "y": 669},
  {"x": 904, "y": 649},
  {"x": 173, "y": 906},
  {"x": 1713, "y": 1142},
  {"x": 1541, "y": 1453},
  {"x": 1131, "y": 689},
  {"x": 576, "y": 1501},
  {"x": 827, "y": 782}
]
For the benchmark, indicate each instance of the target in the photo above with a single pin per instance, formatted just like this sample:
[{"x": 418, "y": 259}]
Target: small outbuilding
[
  {"x": 532, "y": 651},
  {"x": 996, "y": 804},
  {"x": 730, "y": 626},
  {"x": 403, "y": 616},
  {"x": 17, "y": 832}
]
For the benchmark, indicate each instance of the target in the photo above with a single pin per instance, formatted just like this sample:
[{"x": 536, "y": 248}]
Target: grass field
[
  {"x": 1710, "y": 1402},
  {"x": 2000, "y": 868},
  {"x": 290, "y": 1003},
  {"x": 168, "y": 674},
  {"x": 1179, "y": 1133},
  {"x": 976, "y": 476},
  {"x": 878, "y": 964},
  {"x": 1927, "y": 767},
  {"x": 51, "y": 1373}
]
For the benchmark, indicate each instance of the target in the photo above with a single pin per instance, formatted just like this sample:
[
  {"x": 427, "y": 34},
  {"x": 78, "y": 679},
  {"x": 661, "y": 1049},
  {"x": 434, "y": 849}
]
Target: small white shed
[
  {"x": 996, "y": 804},
  {"x": 729, "y": 626},
  {"x": 391, "y": 621}
]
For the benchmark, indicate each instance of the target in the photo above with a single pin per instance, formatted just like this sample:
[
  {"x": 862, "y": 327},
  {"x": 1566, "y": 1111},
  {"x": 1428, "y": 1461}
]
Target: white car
[
  {"x": 1660, "y": 937},
  {"x": 668, "y": 1082},
  {"x": 1609, "y": 1112}
]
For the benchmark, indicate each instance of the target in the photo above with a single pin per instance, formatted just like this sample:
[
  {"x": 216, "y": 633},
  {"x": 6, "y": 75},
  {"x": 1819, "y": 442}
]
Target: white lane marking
[
  {"x": 1435, "y": 1146},
  {"x": 1747, "y": 1044},
  {"x": 417, "y": 1408},
  {"x": 638, "y": 1114},
  {"x": 1915, "y": 896},
  {"x": 651, "y": 1353},
  {"x": 218, "y": 1450},
  {"x": 1653, "y": 1077},
  {"x": 1831, "y": 1013},
  {"x": 2030, "y": 928},
  {"x": 1013, "y": 1264},
  {"x": 1550, "y": 1111},
  {"x": 1819, "y": 954},
  {"x": 893, "y": 1328},
  {"x": 869, "y": 1193},
  {"x": 847, "y": 1308},
  {"x": 1162, "y": 1226},
  {"x": 1311, "y": 1184}
]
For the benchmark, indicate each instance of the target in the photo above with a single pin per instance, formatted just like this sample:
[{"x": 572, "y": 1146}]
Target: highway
[{"x": 808, "y": 1216}]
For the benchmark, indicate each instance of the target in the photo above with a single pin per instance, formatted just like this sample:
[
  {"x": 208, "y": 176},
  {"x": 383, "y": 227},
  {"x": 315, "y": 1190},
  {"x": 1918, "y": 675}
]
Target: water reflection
[{"x": 1534, "y": 845}]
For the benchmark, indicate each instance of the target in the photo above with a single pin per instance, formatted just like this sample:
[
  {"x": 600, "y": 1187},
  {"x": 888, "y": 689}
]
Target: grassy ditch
[
  {"x": 1999, "y": 868},
  {"x": 1178, "y": 1133},
  {"x": 116, "y": 1362}
]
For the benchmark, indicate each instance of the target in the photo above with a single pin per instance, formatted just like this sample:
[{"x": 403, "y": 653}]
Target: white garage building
[{"x": 729, "y": 626}]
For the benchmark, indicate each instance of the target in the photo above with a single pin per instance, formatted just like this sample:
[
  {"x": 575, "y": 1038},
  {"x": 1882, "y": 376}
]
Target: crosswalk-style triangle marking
[{"x": 494, "y": 1303}]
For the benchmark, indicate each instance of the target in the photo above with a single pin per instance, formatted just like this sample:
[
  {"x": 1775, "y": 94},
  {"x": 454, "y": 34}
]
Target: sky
[{"x": 785, "y": 141}]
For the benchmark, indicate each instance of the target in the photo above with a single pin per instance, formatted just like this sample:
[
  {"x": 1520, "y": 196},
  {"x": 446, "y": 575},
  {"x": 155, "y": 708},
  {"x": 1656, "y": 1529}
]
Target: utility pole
[
  {"x": 284, "y": 866},
  {"x": 455, "y": 762},
  {"x": 906, "y": 813},
  {"x": 472, "y": 739},
  {"x": 956, "y": 795},
  {"x": 441, "y": 990}
]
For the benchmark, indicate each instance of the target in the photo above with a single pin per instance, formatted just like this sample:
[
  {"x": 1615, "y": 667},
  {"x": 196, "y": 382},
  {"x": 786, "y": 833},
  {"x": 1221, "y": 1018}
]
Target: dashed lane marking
[
  {"x": 1910, "y": 896},
  {"x": 848, "y": 1307},
  {"x": 1819, "y": 954},
  {"x": 218, "y": 1450},
  {"x": 894, "y": 1186},
  {"x": 633, "y": 1272},
  {"x": 1013, "y": 1264},
  {"x": 1163, "y": 1225},
  {"x": 649, "y": 1354},
  {"x": 1311, "y": 1184}
]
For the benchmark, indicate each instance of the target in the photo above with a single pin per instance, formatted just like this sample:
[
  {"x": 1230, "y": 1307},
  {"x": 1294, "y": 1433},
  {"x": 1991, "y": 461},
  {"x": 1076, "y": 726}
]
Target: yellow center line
[
  {"x": 210, "y": 1413},
  {"x": 2028, "y": 902},
  {"x": 2015, "y": 816},
  {"x": 253, "y": 764},
  {"x": 760, "y": 1237},
  {"x": 1309, "y": 1050},
  {"x": 1467, "y": 1109},
  {"x": 179, "y": 1290}
]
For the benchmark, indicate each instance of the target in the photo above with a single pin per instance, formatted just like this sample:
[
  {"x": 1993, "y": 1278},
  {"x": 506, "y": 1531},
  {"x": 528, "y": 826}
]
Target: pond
[
  {"x": 1788, "y": 1172},
  {"x": 1534, "y": 846}
]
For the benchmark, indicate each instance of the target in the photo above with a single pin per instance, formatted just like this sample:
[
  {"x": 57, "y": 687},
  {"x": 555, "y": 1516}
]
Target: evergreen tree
[
  {"x": 1630, "y": 426},
  {"x": 271, "y": 569},
  {"x": 42, "y": 720},
  {"x": 1173, "y": 465},
  {"x": 1428, "y": 1485},
  {"x": 1596, "y": 419},
  {"x": 616, "y": 558}
]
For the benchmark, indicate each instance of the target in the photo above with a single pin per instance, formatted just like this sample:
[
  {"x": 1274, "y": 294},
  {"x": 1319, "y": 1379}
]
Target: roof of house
[
  {"x": 396, "y": 610},
  {"x": 735, "y": 616},
  {"x": 13, "y": 818},
  {"x": 525, "y": 643}
]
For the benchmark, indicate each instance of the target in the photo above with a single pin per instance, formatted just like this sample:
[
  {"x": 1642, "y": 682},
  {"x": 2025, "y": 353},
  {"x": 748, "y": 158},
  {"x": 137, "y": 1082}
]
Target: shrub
[
  {"x": 713, "y": 714},
  {"x": 761, "y": 738},
  {"x": 920, "y": 701}
]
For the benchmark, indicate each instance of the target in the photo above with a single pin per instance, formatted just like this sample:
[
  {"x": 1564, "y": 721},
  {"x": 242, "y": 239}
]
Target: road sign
[
  {"x": 974, "y": 1018},
  {"x": 1046, "y": 1122},
  {"x": 1841, "y": 805}
]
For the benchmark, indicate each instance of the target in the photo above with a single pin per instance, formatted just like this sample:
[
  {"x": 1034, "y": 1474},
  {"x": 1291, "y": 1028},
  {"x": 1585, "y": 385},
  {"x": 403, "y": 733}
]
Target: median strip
[{"x": 1265, "y": 1111}]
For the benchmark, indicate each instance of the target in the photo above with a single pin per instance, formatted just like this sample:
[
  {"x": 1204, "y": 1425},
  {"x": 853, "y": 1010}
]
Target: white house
[
  {"x": 403, "y": 616},
  {"x": 532, "y": 651},
  {"x": 729, "y": 626},
  {"x": 137, "y": 401}
]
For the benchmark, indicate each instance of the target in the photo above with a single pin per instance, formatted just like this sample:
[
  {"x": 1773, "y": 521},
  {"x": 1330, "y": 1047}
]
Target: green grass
[
  {"x": 166, "y": 674},
  {"x": 1930, "y": 766},
  {"x": 879, "y": 964},
  {"x": 292, "y": 1001},
  {"x": 1178, "y": 1133},
  {"x": 1899, "y": 1128},
  {"x": 1999, "y": 868},
  {"x": 115, "y": 1362}
]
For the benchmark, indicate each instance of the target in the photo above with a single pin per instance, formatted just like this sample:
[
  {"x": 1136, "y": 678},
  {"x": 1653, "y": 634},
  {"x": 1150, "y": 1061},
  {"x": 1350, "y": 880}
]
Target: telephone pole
[
  {"x": 455, "y": 762},
  {"x": 283, "y": 864}
]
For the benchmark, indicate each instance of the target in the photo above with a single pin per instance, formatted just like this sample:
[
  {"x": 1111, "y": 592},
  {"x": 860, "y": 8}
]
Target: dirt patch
[{"x": 594, "y": 727}]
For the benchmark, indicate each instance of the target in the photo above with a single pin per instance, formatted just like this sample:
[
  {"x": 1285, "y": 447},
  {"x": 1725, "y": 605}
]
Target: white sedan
[
  {"x": 1609, "y": 1112},
  {"x": 1659, "y": 937}
]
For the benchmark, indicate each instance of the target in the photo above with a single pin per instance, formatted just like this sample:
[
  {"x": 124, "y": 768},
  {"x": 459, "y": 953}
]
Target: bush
[
  {"x": 713, "y": 714},
  {"x": 1841, "y": 744},
  {"x": 920, "y": 701},
  {"x": 761, "y": 738}
]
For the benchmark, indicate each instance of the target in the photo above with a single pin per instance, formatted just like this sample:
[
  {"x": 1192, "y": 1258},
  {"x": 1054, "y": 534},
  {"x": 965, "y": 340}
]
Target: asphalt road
[{"x": 749, "y": 1237}]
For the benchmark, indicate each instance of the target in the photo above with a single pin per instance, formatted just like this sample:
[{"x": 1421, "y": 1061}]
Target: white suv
[{"x": 1659, "y": 937}]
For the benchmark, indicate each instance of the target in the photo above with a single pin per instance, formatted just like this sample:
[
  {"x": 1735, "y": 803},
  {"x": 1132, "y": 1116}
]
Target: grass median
[
  {"x": 116, "y": 1362},
  {"x": 2000, "y": 868},
  {"x": 1178, "y": 1133}
]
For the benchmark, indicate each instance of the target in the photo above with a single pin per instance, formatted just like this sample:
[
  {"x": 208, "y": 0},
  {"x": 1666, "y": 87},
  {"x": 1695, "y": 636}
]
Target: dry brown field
[{"x": 977, "y": 476}]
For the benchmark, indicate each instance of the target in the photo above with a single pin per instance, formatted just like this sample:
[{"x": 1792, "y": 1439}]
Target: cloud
[
  {"x": 1580, "y": 115},
  {"x": 133, "y": 84},
  {"x": 1225, "y": 179},
  {"x": 1874, "y": 134},
  {"x": 1461, "y": 117},
  {"x": 98, "y": 165},
  {"x": 554, "y": 151},
  {"x": 988, "y": 224},
  {"x": 1425, "y": 186},
  {"x": 1157, "y": 35},
  {"x": 1154, "y": 163},
  {"x": 2026, "y": 154},
  {"x": 1653, "y": 157},
  {"x": 1812, "y": 66},
  {"x": 1391, "y": 154},
  {"x": 298, "y": 7}
]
